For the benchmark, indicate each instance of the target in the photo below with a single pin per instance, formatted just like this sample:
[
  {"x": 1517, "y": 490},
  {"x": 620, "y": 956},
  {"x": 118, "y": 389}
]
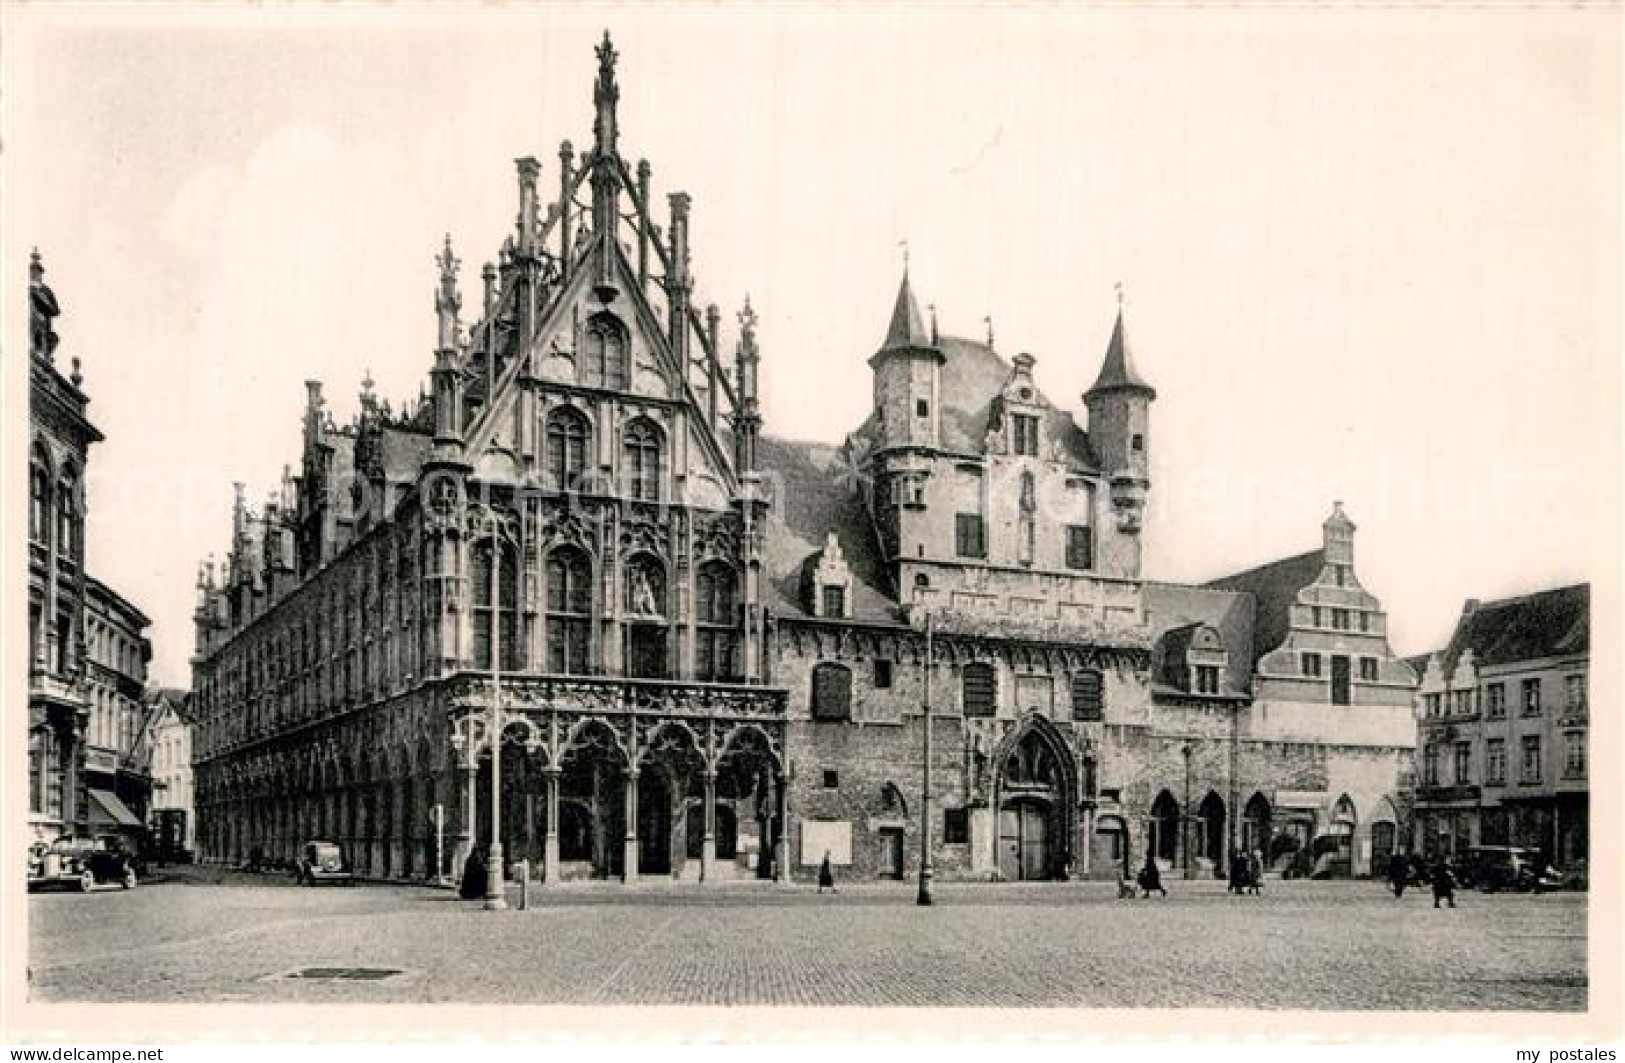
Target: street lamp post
[
  {"x": 924, "y": 896},
  {"x": 496, "y": 898}
]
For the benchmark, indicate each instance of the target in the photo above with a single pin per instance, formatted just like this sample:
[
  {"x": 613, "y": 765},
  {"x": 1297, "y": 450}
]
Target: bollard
[{"x": 523, "y": 870}]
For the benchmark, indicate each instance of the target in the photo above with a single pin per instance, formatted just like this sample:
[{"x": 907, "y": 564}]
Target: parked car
[
  {"x": 322, "y": 862},
  {"x": 1498, "y": 867},
  {"x": 80, "y": 863}
]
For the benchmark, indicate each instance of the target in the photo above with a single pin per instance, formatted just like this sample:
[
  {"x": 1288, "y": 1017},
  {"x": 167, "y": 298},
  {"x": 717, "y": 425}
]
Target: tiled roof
[
  {"x": 1553, "y": 623},
  {"x": 1174, "y": 609},
  {"x": 814, "y": 495},
  {"x": 404, "y": 453},
  {"x": 1274, "y": 587},
  {"x": 971, "y": 380}
]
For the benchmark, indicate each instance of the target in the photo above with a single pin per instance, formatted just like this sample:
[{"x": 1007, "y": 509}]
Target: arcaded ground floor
[{"x": 208, "y": 935}]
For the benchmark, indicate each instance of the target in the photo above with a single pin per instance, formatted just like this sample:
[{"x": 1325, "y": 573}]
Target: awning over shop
[{"x": 106, "y": 810}]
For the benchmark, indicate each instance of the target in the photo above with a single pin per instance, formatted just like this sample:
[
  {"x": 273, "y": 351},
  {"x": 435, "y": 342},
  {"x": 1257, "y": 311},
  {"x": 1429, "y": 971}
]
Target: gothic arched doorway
[
  {"x": 1165, "y": 827},
  {"x": 1255, "y": 829},
  {"x": 1037, "y": 792},
  {"x": 1211, "y": 813}
]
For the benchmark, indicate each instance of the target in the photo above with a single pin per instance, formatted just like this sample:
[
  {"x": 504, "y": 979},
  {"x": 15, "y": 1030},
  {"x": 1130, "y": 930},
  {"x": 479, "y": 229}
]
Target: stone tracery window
[
  {"x": 605, "y": 364},
  {"x": 567, "y": 438},
  {"x": 716, "y": 614},
  {"x": 569, "y": 610},
  {"x": 641, "y": 453},
  {"x": 505, "y": 606}
]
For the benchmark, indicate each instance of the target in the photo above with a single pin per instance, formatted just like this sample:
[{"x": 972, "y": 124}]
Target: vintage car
[
  {"x": 322, "y": 862},
  {"x": 81, "y": 863},
  {"x": 1498, "y": 867}
]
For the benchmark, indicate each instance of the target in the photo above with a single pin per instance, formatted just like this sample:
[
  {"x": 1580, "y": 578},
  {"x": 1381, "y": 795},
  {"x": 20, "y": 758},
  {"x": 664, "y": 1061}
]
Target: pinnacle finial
[
  {"x": 988, "y": 321},
  {"x": 1118, "y": 288},
  {"x": 904, "y": 245},
  {"x": 36, "y": 268}
]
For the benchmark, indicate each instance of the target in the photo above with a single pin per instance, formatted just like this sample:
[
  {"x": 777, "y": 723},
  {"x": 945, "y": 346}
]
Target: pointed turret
[
  {"x": 907, "y": 328},
  {"x": 1119, "y": 407},
  {"x": 1117, "y": 371},
  {"x": 906, "y": 370}
]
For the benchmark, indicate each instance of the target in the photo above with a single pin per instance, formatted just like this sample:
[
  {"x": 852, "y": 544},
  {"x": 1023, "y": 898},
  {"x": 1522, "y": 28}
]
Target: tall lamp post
[
  {"x": 492, "y": 526},
  {"x": 926, "y": 872}
]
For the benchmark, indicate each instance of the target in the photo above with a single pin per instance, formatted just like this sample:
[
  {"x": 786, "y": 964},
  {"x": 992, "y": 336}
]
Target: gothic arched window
[
  {"x": 641, "y": 451},
  {"x": 715, "y": 652},
  {"x": 605, "y": 362},
  {"x": 504, "y": 605},
  {"x": 39, "y": 503},
  {"x": 567, "y": 436},
  {"x": 569, "y": 610},
  {"x": 67, "y": 517}
]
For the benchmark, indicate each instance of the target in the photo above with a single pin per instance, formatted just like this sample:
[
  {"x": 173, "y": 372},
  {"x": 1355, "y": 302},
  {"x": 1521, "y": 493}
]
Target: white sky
[{"x": 1369, "y": 255}]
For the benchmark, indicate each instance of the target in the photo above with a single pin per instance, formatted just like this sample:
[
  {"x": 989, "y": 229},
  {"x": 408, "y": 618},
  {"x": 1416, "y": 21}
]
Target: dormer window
[
  {"x": 1024, "y": 429},
  {"x": 831, "y": 588}
]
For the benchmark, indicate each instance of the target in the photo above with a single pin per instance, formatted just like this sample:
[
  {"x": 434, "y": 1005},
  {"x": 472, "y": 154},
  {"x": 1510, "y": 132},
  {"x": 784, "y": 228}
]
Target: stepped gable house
[{"x": 716, "y": 646}]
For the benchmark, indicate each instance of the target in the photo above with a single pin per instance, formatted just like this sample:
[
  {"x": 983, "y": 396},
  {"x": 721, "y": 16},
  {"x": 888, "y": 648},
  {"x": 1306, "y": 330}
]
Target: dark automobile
[
  {"x": 322, "y": 862},
  {"x": 1499, "y": 867},
  {"x": 81, "y": 863}
]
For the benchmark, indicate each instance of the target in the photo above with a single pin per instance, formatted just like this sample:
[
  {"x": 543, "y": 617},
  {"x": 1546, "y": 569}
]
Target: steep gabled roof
[
  {"x": 1551, "y": 623},
  {"x": 814, "y": 495},
  {"x": 1173, "y": 611},
  {"x": 1274, "y": 588},
  {"x": 970, "y": 383}
]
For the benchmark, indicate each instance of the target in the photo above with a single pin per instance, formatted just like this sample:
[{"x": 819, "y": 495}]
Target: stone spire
[
  {"x": 605, "y": 95},
  {"x": 447, "y": 300}
]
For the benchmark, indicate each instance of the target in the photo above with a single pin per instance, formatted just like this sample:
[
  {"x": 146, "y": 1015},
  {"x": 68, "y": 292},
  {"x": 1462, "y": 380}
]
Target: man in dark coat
[
  {"x": 473, "y": 884},
  {"x": 1151, "y": 878},
  {"x": 1399, "y": 873},
  {"x": 1238, "y": 872},
  {"x": 1444, "y": 883},
  {"x": 826, "y": 875}
]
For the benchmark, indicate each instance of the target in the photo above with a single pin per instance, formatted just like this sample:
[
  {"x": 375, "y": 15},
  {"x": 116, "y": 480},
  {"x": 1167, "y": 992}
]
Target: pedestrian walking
[
  {"x": 1444, "y": 883},
  {"x": 1238, "y": 872},
  {"x": 1255, "y": 873},
  {"x": 1399, "y": 874},
  {"x": 1151, "y": 878},
  {"x": 826, "y": 875}
]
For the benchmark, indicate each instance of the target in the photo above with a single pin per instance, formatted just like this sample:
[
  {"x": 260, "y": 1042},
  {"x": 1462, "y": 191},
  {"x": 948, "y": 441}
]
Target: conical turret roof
[
  {"x": 907, "y": 328},
  {"x": 1117, "y": 372}
]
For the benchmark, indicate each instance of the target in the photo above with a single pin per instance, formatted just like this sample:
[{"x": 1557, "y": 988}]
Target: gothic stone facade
[{"x": 716, "y": 649}]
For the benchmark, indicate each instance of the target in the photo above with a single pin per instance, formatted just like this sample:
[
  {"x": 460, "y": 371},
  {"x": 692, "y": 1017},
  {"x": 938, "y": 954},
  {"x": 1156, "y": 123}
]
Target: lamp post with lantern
[{"x": 488, "y": 523}]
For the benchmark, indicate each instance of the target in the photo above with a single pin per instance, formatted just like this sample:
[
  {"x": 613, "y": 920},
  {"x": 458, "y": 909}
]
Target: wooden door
[
  {"x": 1034, "y": 844},
  {"x": 891, "y": 853}
]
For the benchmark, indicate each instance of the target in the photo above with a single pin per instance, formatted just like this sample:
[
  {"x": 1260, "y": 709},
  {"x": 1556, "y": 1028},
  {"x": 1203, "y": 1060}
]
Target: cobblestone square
[{"x": 200, "y": 936}]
